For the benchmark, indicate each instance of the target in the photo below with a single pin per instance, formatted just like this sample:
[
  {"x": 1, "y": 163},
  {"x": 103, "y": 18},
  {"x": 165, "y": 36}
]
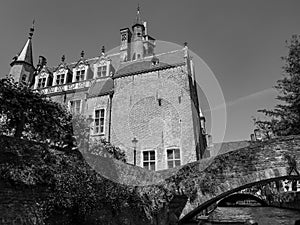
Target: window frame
[
  {"x": 104, "y": 122},
  {"x": 149, "y": 160},
  {"x": 81, "y": 75},
  {"x": 174, "y": 159},
  {"x": 80, "y": 106},
  {"x": 101, "y": 67},
  {"x": 40, "y": 84},
  {"x": 58, "y": 78}
]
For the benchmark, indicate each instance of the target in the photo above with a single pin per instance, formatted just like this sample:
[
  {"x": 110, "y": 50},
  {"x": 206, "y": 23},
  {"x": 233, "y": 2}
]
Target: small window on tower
[
  {"x": 24, "y": 78},
  {"x": 123, "y": 37}
]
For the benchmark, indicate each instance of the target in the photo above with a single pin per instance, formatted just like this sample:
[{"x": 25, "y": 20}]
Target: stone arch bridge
[{"x": 199, "y": 184}]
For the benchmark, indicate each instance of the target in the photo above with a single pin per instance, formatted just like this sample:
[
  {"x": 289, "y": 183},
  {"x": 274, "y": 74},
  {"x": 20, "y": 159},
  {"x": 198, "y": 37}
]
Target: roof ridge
[{"x": 94, "y": 58}]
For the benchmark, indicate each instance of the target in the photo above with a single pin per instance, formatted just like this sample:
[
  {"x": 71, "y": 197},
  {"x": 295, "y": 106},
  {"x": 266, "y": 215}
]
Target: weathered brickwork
[
  {"x": 156, "y": 108},
  {"x": 237, "y": 170}
]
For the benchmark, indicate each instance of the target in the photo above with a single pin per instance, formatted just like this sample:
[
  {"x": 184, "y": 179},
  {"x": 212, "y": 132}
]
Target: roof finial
[
  {"x": 185, "y": 44},
  {"x": 82, "y": 54},
  {"x": 31, "y": 29},
  {"x": 103, "y": 50},
  {"x": 138, "y": 17},
  {"x": 63, "y": 58}
]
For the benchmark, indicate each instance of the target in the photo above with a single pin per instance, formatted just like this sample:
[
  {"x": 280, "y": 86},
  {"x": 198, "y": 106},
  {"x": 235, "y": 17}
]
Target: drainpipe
[{"x": 109, "y": 119}]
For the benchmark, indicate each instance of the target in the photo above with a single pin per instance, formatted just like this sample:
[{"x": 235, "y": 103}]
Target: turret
[
  {"x": 22, "y": 68},
  {"x": 138, "y": 30}
]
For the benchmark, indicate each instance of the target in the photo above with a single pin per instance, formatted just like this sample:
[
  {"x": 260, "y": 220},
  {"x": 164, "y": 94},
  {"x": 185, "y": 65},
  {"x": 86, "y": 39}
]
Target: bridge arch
[
  {"x": 210, "y": 180},
  {"x": 241, "y": 196},
  {"x": 210, "y": 199}
]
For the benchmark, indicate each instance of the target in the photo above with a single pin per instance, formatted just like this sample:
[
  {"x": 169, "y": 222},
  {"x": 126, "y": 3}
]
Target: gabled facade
[{"x": 133, "y": 94}]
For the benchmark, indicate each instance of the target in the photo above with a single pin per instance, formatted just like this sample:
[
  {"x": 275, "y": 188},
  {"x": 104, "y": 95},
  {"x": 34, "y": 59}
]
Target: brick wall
[{"x": 137, "y": 112}]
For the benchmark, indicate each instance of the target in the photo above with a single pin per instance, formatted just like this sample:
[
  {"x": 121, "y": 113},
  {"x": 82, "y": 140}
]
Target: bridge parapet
[{"x": 233, "y": 171}]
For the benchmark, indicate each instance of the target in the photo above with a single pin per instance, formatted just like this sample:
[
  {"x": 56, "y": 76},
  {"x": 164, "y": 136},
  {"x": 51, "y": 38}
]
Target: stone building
[{"x": 143, "y": 102}]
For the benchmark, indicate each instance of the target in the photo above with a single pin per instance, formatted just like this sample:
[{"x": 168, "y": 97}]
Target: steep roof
[
  {"x": 101, "y": 87},
  {"x": 144, "y": 65},
  {"x": 26, "y": 53}
]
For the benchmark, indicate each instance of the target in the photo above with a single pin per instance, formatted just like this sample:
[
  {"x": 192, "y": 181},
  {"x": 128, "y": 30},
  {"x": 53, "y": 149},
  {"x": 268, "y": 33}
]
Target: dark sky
[{"x": 241, "y": 41}]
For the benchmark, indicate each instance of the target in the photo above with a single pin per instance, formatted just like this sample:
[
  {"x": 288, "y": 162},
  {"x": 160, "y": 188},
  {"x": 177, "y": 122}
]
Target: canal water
[{"x": 262, "y": 215}]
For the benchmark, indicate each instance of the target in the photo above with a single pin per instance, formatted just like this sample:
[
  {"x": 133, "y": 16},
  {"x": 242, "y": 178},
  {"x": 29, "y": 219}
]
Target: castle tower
[
  {"x": 138, "y": 30},
  {"x": 22, "y": 68}
]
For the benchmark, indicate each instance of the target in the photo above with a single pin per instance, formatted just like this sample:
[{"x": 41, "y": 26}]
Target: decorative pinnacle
[
  {"x": 31, "y": 29},
  {"x": 63, "y": 58},
  {"x": 138, "y": 17},
  {"x": 103, "y": 50},
  {"x": 185, "y": 44},
  {"x": 82, "y": 54}
]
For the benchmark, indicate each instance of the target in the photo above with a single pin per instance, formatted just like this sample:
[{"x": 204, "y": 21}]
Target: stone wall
[
  {"x": 289, "y": 200},
  {"x": 209, "y": 180},
  {"x": 156, "y": 108}
]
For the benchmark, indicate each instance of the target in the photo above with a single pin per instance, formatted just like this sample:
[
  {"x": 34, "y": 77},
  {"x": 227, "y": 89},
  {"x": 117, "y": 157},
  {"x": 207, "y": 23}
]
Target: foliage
[
  {"x": 71, "y": 184},
  {"x": 105, "y": 149},
  {"x": 29, "y": 114},
  {"x": 92, "y": 145},
  {"x": 284, "y": 119}
]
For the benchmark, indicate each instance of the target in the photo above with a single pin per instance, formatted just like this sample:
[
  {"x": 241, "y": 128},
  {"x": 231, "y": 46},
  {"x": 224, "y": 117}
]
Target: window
[
  {"x": 24, "y": 78},
  {"x": 60, "y": 79},
  {"x": 41, "y": 82},
  {"x": 79, "y": 75},
  {"x": 101, "y": 71},
  {"x": 173, "y": 156},
  {"x": 149, "y": 160},
  {"x": 99, "y": 121},
  {"x": 124, "y": 37},
  {"x": 75, "y": 106}
]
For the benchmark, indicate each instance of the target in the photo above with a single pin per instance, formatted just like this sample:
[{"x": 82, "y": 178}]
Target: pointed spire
[
  {"x": 31, "y": 30},
  {"x": 63, "y": 59},
  {"x": 103, "y": 50},
  {"x": 26, "y": 53},
  {"x": 82, "y": 54},
  {"x": 22, "y": 68},
  {"x": 138, "y": 16}
]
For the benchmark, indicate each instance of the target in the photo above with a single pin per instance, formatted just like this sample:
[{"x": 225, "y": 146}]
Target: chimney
[
  {"x": 42, "y": 61},
  {"x": 146, "y": 29}
]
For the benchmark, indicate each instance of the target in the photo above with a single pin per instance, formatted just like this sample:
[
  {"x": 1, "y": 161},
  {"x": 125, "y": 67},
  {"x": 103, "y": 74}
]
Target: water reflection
[{"x": 262, "y": 215}]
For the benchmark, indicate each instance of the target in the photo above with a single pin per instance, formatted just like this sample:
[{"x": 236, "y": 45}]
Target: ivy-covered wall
[{"x": 40, "y": 185}]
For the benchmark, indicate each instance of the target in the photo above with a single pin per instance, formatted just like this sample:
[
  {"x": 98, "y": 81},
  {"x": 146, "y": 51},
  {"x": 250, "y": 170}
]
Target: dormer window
[
  {"x": 101, "y": 71},
  {"x": 79, "y": 75},
  {"x": 60, "y": 79},
  {"x": 41, "y": 82}
]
